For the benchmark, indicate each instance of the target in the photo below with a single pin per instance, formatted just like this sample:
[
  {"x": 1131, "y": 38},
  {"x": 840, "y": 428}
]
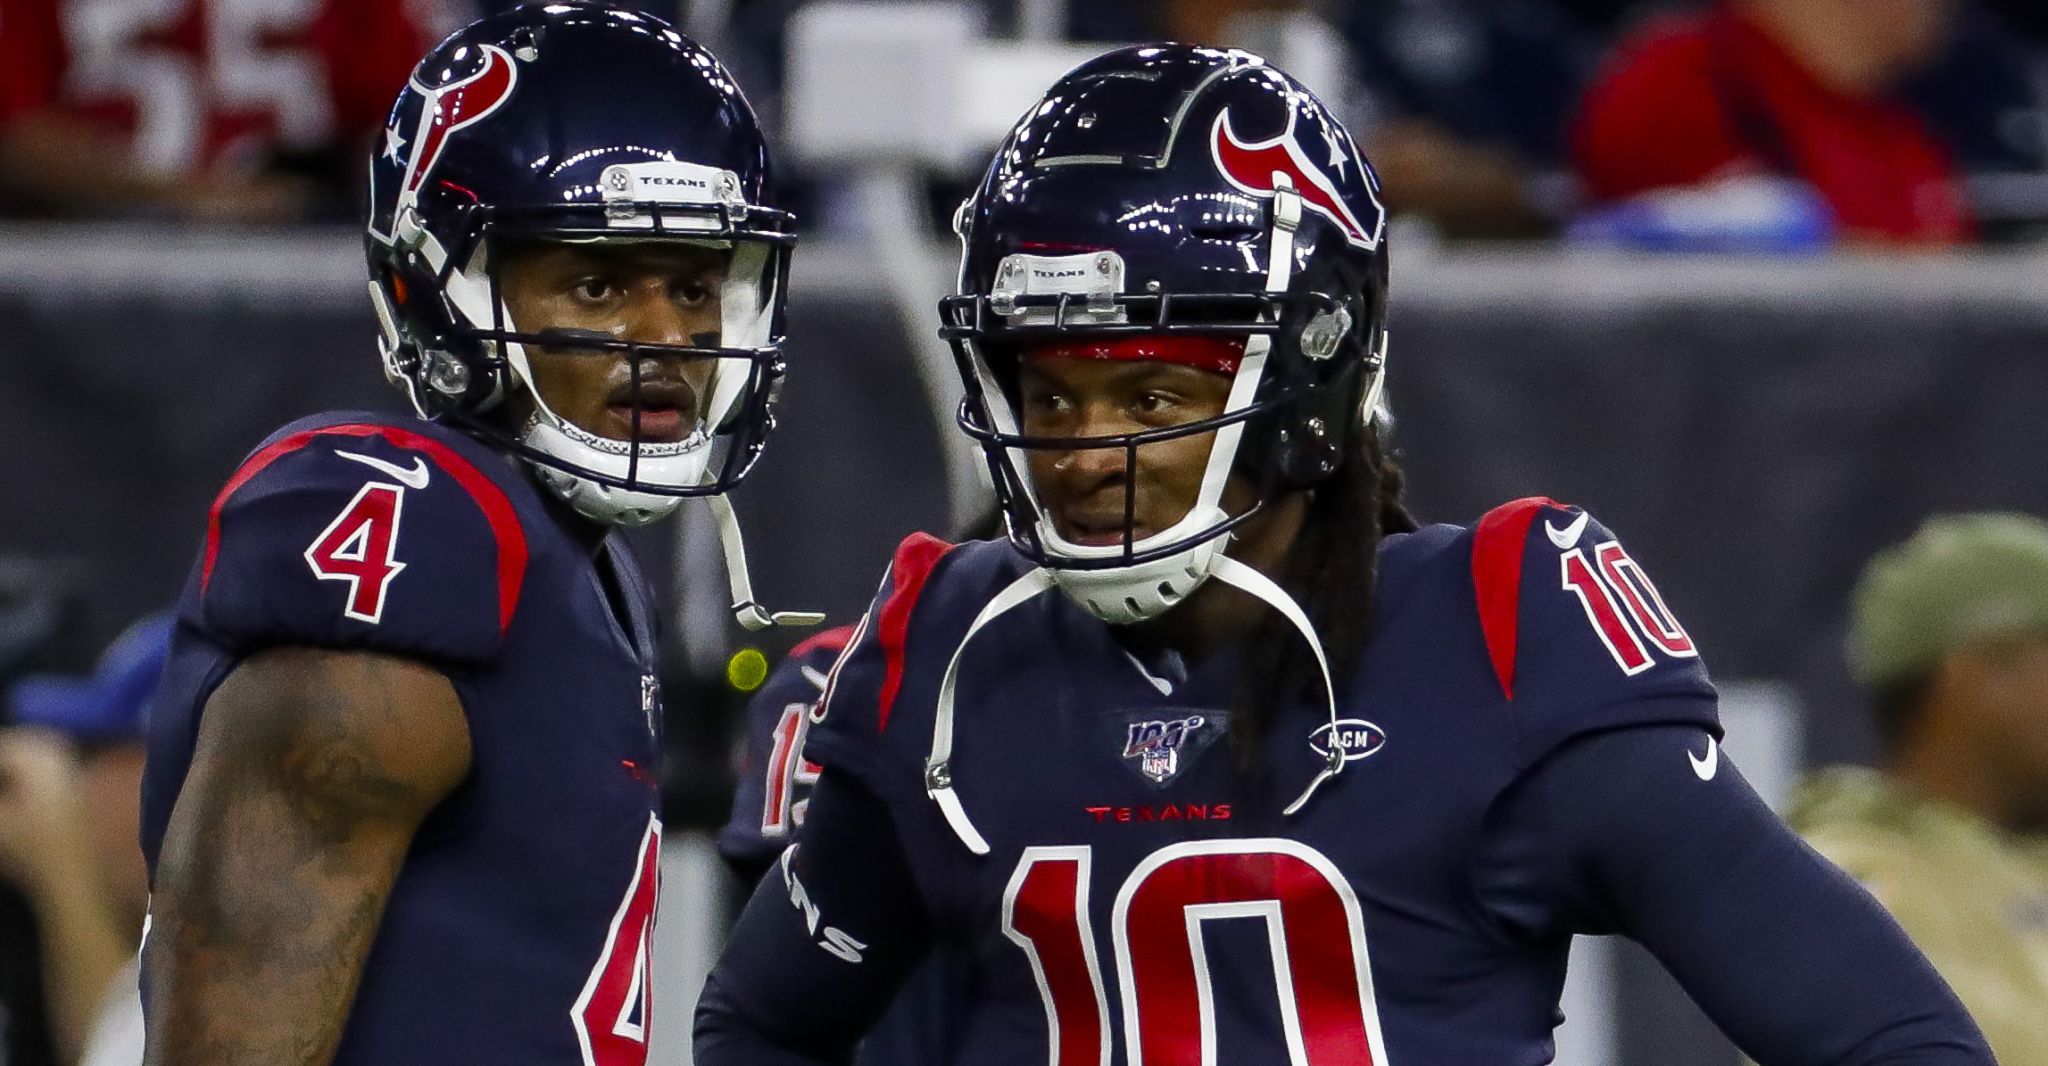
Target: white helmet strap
[
  {"x": 938, "y": 767},
  {"x": 938, "y": 770},
  {"x": 749, "y": 612}
]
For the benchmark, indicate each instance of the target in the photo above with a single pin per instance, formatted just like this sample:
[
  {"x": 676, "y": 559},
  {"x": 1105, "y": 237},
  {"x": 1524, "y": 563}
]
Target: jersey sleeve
[
  {"x": 852, "y": 717},
  {"x": 1653, "y": 833},
  {"x": 823, "y": 945},
  {"x": 362, "y": 537},
  {"x": 774, "y": 775},
  {"x": 1579, "y": 638}
]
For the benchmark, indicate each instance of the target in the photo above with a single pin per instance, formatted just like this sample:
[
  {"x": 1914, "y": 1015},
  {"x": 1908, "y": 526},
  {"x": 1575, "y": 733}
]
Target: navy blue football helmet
[
  {"x": 576, "y": 123},
  {"x": 1188, "y": 204}
]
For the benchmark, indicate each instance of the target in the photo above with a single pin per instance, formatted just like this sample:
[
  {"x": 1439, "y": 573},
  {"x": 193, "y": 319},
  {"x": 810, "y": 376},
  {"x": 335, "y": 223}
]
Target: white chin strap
[
  {"x": 938, "y": 766},
  {"x": 750, "y": 614},
  {"x": 640, "y": 508},
  {"x": 608, "y": 504}
]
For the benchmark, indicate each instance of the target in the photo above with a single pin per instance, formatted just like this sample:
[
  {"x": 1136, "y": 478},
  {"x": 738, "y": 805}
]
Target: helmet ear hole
[
  {"x": 424, "y": 349},
  {"x": 1311, "y": 452}
]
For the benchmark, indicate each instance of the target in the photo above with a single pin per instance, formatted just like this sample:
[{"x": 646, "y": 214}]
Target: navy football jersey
[
  {"x": 1144, "y": 898},
  {"x": 517, "y": 930},
  {"x": 774, "y": 778},
  {"x": 775, "y": 781}
]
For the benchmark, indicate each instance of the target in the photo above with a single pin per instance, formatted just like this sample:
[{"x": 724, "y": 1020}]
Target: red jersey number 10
[{"x": 1313, "y": 922}]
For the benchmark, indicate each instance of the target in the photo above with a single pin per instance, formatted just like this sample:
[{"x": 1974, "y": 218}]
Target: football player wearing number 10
[
  {"x": 401, "y": 798},
  {"x": 1271, "y": 775}
]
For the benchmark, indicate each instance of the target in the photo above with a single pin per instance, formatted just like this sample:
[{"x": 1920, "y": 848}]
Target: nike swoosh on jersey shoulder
[{"x": 415, "y": 478}]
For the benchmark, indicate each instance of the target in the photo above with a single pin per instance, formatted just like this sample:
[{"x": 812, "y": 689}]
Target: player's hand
[{"x": 41, "y": 827}]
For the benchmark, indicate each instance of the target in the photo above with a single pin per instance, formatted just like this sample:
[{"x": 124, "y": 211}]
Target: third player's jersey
[
  {"x": 517, "y": 930},
  {"x": 775, "y": 781},
  {"x": 774, "y": 777},
  {"x": 1144, "y": 898}
]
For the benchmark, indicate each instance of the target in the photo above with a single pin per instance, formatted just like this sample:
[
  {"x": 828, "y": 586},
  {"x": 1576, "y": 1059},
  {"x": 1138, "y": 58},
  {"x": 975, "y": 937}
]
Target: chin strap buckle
[
  {"x": 1286, "y": 203},
  {"x": 753, "y": 616},
  {"x": 745, "y": 609}
]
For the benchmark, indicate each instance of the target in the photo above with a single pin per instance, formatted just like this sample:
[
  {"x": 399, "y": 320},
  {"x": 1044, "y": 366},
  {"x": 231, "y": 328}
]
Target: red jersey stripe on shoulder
[
  {"x": 250, "y": 467},
  {"x": 496, "y": 506},
  {"x": 1498, "y": 543},
  {"x": 913, "y": 564},
  {"x": 489, "y": 498},
  {"x": 832, "y": 640},
  {"x": 824, "y": 704}
]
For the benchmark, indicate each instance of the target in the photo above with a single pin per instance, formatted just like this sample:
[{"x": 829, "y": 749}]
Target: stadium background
[{"x": 1755, "y": 425}]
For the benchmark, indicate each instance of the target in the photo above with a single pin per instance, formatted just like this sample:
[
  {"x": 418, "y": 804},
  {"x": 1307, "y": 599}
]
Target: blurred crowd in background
[{"x": 1751, "y": 124}]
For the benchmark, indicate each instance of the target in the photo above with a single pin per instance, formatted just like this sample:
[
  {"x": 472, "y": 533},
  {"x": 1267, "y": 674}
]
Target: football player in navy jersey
[
  {"x": 401, "y": 801},
  {"x": 774, "y": 777},
  {"x": 775, "y": 782},
  {"x": 1221, "y": 758}
]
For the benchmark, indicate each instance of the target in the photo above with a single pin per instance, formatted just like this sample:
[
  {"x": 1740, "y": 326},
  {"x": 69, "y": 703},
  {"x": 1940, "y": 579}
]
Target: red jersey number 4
[
  {"x": 360, "y": 547},
  {"x": 614, "y": 1014}
]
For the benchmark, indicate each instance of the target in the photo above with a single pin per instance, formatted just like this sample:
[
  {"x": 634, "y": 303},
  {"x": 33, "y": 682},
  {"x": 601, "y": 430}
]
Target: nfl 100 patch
[{"x": 1158, "y": 744}]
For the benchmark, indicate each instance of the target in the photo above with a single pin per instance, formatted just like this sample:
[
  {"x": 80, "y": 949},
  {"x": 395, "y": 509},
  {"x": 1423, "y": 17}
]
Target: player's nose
[
  {"x": 652, "y": 317},
  {"x": 1086, "y": 468},
  {"x": 1096, "y": 418}
]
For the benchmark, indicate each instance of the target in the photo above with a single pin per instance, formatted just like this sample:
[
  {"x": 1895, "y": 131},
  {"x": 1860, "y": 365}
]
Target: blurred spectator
[
  {"x": 1949, "y": 633},
  {"x": 1802, "y": 89},
  {"x": 199, "y": 109},
  {"x": 1456, "y": 102},
  {"x": 41, "y": 620},
  {"x": 1472, "y": 97},
  {"x": 1505, "y": 74},
  {"x": 1986, "y": 96},
  {"x": 70, "y": 787}
]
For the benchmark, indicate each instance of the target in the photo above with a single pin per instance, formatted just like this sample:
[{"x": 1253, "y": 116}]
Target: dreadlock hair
[{"x": 1331, "y": 571}]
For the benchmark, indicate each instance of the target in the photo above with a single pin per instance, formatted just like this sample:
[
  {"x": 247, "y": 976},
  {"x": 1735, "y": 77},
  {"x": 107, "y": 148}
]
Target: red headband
[{"x": 1216, "y": 354}]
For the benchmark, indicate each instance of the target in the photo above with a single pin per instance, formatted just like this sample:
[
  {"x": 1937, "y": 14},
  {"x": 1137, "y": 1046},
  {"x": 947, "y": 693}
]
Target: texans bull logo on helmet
[
  {"x": 1252, "y": 166},
  {"x": 458, "y": 102}
]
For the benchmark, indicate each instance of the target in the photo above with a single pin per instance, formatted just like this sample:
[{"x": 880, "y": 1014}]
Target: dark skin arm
[{"x": 312, "y": 772}]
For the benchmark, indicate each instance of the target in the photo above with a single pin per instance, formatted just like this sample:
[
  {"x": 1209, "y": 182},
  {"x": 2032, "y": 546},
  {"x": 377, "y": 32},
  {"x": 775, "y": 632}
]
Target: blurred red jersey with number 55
[{"x": 209, "y": 85}]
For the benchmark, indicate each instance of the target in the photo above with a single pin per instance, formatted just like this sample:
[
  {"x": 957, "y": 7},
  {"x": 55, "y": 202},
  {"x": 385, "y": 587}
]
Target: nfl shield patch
[{"x": 1160, "y": 748}]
